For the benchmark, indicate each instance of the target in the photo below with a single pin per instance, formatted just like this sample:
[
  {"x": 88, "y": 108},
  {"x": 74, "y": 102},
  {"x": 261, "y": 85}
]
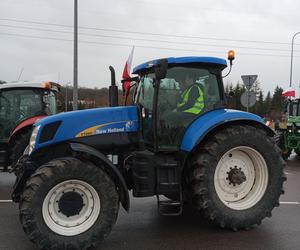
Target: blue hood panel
[{"x": 90, "y": 122}]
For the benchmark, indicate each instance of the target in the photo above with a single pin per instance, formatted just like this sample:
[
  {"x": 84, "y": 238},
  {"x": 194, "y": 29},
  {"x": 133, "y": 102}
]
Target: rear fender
[
  {"x": 209, "y": 122},
  {"x": 22, "y": 127},
  {"x": 26, "y": 123}
]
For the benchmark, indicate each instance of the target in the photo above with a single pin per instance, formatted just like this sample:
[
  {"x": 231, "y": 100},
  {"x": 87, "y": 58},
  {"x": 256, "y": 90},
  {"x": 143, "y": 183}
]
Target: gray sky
[{"x": 261, "y": 21}]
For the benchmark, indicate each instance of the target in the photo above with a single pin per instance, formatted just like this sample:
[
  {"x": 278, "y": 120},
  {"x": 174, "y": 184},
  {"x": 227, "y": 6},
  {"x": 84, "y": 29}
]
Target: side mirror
[
  {"x": 126, "y": 83},
  {"x": 161, "y": 69}
]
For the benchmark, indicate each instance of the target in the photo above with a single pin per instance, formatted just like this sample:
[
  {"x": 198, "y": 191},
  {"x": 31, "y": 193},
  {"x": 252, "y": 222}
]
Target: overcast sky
[{"x": 259, "y": 31}]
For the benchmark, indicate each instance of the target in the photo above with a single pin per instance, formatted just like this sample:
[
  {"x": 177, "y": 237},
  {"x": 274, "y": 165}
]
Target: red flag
[
  {"x": 126, "y": 71},
  {"x": 269, "y": 123},
  {"x": 290, "y": 92}
]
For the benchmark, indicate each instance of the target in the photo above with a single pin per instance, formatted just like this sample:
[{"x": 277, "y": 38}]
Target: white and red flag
[
  {"x": 290, "y": 92},
  {"x": 126, "y": 72}
]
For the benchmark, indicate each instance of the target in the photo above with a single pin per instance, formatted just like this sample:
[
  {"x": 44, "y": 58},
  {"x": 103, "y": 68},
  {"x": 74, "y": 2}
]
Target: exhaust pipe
[{"x": 113, "y": 89}]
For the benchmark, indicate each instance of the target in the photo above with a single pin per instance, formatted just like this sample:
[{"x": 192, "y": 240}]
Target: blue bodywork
[
  {"x": 181, "y": 60},
  {"x": 125, "y": 118},
  {"x": 98, "y": 121},
  {"x": 197, "y": 129}
]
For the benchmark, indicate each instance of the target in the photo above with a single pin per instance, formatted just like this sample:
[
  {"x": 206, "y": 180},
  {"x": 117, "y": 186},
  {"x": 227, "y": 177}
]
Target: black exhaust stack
[{"x": 113, "y": 89}]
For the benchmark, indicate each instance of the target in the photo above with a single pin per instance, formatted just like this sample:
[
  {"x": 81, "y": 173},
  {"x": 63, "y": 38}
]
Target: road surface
[{"x": 144, "y": 229}]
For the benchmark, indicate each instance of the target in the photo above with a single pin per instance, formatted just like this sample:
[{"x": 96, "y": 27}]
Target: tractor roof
[
  {"x": 44, "y": 85},
  {"x": 181, "y": 60}
]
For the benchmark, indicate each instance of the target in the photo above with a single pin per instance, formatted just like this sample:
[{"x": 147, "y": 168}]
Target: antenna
[{"x": 21, "y": 73}]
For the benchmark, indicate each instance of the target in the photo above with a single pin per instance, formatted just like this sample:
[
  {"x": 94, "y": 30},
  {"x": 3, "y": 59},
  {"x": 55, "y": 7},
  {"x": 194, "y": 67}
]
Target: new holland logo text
[{"x": 109, "y": 130}]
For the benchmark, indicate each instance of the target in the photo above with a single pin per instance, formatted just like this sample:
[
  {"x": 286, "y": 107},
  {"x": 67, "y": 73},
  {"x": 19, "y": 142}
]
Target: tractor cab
[
  {"x": 187, "y": 88},
  {"x": 21, "y": 104},
  {"x": 293, "y": 116},
  {"x": 293, "y": 107},
  {"x": 291, "y": 136},
  {"x": 288, "y": 138}
]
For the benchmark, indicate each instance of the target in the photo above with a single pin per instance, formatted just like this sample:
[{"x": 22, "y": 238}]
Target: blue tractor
[{"x": 79, "y": 166}]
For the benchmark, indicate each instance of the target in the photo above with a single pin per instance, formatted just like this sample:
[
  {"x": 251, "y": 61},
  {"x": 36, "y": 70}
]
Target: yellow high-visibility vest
[{"x": 199, "y": 103}]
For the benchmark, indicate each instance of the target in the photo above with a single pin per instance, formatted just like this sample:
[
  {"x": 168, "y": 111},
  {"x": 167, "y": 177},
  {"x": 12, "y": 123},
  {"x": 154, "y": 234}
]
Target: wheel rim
[
  {"x": 71, "y": 207},
  {"x": 241, "y": 178}
]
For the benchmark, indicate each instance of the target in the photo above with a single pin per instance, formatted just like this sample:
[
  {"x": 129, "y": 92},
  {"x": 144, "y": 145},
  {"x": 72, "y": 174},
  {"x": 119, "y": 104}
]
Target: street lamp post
[
  {"x": 292, "y": 51},
  {"x": 75, "y": 58},
  {"x": 66, "y": 97}
]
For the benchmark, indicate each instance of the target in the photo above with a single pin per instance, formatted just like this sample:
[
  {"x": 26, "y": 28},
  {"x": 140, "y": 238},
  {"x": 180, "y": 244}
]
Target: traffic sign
[
  {"x": 248, "y": 99},
  {"x": 248, "y": 80}
]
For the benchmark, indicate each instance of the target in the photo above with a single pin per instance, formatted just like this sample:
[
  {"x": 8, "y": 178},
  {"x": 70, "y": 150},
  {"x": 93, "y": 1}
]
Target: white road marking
[
  {"x": 5, "y": 201},
  {"x": 289, "y": 202}
]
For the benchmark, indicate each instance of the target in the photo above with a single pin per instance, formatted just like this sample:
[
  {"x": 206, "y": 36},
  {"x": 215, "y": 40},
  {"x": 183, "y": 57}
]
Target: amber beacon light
[{"x": 231, "y": 55}]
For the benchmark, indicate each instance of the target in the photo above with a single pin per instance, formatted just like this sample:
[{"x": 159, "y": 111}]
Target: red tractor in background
[{"x": 21, "y": 105}]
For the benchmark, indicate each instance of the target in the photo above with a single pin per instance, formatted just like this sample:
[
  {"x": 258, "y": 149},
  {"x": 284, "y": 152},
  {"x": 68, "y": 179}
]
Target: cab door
[{"x": 169, "y": 120}]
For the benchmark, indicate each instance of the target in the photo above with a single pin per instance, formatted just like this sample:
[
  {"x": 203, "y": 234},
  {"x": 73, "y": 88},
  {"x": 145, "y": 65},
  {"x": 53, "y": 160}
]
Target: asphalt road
[{"x": 144, "y": 229}]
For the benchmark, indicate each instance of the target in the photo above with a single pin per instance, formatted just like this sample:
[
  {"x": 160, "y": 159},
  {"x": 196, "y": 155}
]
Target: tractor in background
[
  {"x": 288, "y": 139},
  {"x": 21, "y": 105},
  {"x": 80, "y": 166}
]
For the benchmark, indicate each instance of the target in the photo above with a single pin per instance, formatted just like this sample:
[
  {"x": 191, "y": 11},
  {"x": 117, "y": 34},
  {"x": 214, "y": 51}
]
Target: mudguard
[
  {"x": 22, "y": 126},
  {"x": 121, "y": 184},
  {"x": 200, "y": 127},
  {"x": 25, "y": 123}
]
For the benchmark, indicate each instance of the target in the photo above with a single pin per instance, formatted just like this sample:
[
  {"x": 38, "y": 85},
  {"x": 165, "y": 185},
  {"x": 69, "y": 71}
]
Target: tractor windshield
[
  {"x": 17, "y": 105},
  {"x": 296, "y": 109},
  {"x": 184, "y": 94},
  {"x": 293, "y": 108}
]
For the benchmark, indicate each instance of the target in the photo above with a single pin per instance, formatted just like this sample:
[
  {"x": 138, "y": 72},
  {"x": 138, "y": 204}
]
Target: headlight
[{"x": 33, "y": 139}]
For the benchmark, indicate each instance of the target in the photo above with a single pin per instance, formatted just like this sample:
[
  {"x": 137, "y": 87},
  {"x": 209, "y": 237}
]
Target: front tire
[
  {"x": 236, "y": 177},
  {"x": 68, "y": 204}
]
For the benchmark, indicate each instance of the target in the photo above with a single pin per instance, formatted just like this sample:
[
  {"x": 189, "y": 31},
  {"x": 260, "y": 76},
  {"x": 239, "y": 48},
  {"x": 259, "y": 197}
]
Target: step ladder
[
  {"x": 168, "y": 182},
  {"x": 168, "y": 207}
]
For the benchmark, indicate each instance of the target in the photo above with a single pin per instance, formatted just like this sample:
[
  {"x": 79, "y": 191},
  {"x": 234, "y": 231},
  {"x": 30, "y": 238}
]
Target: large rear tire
[
  {"x": 68, "y": 204},
  {"x": 236, "y": 177}
]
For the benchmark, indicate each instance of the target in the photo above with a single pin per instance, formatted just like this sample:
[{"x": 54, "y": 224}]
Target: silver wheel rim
[
  {"x": 248, "y": 188},
  {"x": 76, "y": 224}
]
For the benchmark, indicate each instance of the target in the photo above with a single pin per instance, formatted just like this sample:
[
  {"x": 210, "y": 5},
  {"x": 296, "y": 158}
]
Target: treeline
[
  {"x": 270, "y": 106},
  {"x": 87, "y": 98}
]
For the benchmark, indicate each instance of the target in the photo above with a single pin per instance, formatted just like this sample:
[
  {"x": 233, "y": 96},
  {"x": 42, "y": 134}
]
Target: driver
[{"x": 192, "y": 98}]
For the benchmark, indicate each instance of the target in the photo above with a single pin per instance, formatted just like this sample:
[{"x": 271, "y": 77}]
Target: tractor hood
[{"x": 85, "y": 123}]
